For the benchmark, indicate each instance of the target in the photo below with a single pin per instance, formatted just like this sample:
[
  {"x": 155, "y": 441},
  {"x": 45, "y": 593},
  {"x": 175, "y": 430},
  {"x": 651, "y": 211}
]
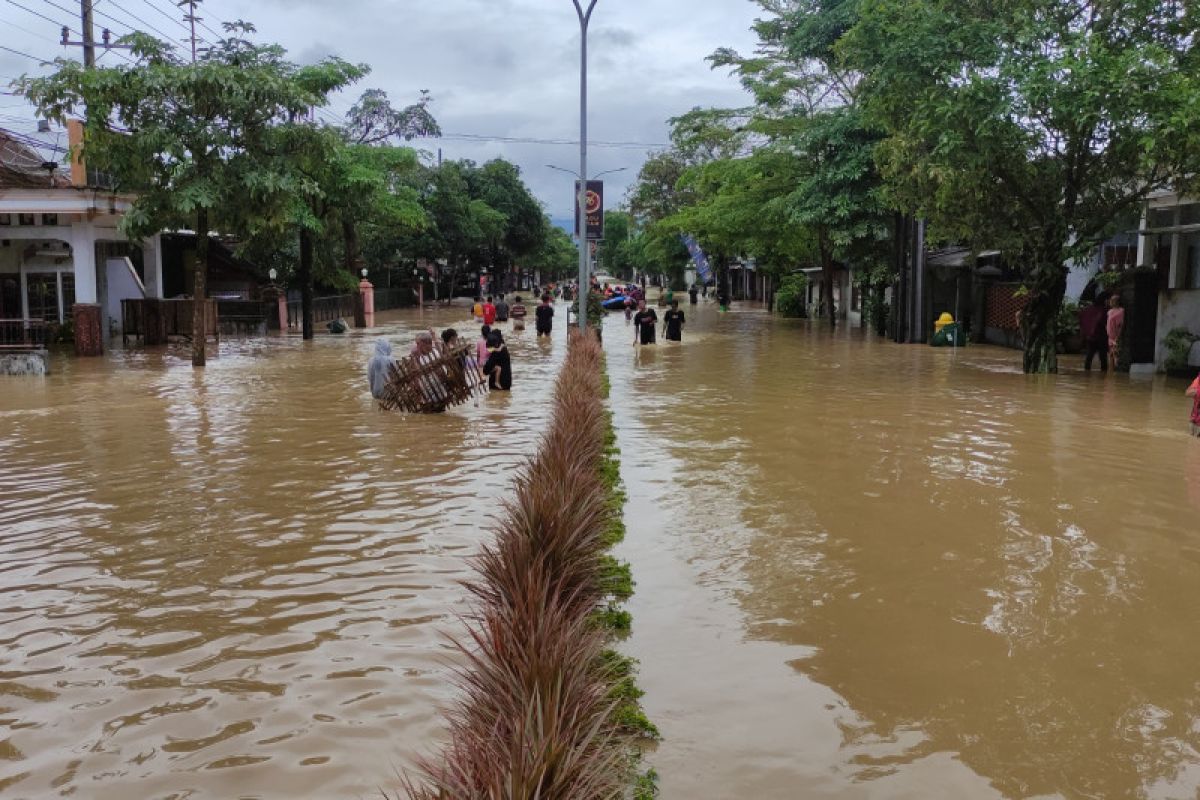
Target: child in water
[{"x": 498, "y": 367}]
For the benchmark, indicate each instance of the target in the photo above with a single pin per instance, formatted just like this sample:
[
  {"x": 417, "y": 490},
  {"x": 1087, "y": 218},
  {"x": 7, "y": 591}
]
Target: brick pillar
[
  {"x": 89, "y": 338},
  {"x": 367, "y": 290}
]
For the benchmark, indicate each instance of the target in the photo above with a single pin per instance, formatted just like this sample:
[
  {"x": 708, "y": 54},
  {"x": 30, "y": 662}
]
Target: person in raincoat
[{"x": 378, "y": 367}]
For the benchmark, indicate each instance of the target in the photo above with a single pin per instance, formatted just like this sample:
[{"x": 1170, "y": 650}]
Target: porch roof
[{"x": 63, "y": 200}]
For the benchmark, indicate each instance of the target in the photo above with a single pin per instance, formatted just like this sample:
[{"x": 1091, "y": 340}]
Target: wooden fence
[{"x": 157, "y": 321}]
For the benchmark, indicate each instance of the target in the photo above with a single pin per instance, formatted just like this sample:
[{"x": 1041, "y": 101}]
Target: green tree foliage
[
  {"x": 191, "y": 140},
  {"x": 807, "y": 118},
  {"x": 374, "y": 121},
  {"x": 614, "y": 254},
  {"x": 1029, "y": 125},
  {"x": 557, "y": 258},
  {"x": 791, "y": 300},
  {"x": 476, "y": 217}
]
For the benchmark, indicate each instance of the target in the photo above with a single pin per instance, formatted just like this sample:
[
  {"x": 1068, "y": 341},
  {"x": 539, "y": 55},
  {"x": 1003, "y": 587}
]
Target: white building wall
[{"x": 1179, "y": 308}]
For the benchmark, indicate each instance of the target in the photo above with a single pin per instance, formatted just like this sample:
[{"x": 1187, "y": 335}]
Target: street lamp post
[{"x": 581, "y": 293}]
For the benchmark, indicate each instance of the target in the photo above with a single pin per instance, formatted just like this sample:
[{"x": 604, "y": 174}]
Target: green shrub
[
  {"x": 790, "y": 300},
  {"x": 1179, "y": 345}
]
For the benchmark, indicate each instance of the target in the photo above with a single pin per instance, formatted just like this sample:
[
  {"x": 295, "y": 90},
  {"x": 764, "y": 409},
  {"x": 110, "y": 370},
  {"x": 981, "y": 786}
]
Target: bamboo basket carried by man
[{"x": 433, "y": 377}]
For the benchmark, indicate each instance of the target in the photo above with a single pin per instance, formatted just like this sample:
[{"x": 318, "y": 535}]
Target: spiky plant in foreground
[{"x": 536, "y": 714}]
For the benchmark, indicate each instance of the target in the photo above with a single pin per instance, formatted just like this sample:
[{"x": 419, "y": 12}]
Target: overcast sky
[{"x": 497, "y": 68}]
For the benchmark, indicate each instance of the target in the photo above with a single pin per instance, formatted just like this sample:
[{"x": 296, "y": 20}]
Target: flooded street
[
  {"x": 863, "y": 570},
  {"x": 236, "y": 582},
  {"x": 877, "y": 571}
]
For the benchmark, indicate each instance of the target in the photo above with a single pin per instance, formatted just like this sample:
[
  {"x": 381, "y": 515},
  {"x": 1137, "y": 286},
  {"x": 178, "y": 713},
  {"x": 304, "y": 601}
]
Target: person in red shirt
[
  {"x": 1094, "y": 330},
  {"x": 489, "y": 312}
]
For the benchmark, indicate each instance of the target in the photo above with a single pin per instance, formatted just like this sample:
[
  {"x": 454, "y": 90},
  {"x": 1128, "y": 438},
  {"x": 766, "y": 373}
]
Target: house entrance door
[
  {"x": 10, "y": 297},
  {"x": 1143, "y": 318}
]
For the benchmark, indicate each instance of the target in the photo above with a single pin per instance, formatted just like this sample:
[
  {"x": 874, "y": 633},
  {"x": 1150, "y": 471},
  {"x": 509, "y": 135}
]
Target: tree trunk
[
  {"x": 827, "y": 273},
  {"x": 306, "y": 283},
  {"x": 200, "y": 289},
  {"x": 350, "y": 237},
  {"x": 1047, "y": 284}
]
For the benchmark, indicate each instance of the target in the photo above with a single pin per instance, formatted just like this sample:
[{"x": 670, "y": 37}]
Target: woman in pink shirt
[{"x": 1115, "y": 324}]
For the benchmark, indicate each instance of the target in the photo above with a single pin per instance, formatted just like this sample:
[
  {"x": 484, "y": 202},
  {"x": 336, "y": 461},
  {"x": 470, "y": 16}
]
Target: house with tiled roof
[{"x": 63, "y": 258}]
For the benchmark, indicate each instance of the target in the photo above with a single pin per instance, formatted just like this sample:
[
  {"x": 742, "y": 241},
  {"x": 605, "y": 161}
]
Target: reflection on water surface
[{"x": 870, "y": 570}]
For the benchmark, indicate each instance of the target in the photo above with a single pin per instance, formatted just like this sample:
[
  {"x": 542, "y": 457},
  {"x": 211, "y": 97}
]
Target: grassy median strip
[{"x": 546, "y": 709}]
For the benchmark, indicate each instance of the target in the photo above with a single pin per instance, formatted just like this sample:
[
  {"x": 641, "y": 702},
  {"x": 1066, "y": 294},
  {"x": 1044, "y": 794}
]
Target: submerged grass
[{"x": 546, "y": 711}]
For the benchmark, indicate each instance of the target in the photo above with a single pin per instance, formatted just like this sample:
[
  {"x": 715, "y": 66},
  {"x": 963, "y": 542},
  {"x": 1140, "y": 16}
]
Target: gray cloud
[{"x": 503, "y": 68}]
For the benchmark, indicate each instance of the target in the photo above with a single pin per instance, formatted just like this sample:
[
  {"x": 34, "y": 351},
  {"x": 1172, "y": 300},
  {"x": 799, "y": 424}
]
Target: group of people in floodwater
[
  {"x": 490, "y": 359},
  {"x": 1101, "y": 324}
]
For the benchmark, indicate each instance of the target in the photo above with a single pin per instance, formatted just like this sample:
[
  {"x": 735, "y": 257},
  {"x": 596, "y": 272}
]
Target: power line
[
  {"x": 122, "y": 8},
  {"x": 27, "y": 55},
  {"x": 40, "y": 14},
  {"x": 165, "y": 14},
  {"x": 475, "y": 137},
  {"x": 21, "y": 28},
  {"x": 69, "y": 12}
]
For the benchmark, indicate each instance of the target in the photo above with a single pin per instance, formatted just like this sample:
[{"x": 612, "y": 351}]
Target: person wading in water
[
  {"x": 673, "y": 323},
  {"x": 545, "y": 316},
  {"x": 644, "y": 323}
]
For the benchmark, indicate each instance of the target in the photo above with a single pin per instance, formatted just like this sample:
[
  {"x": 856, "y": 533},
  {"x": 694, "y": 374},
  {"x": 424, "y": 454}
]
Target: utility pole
[
  {"x": 88, "y": 42},
  {"x": 89, "y": 34},
  {"x": 191, "y": 18},
  {"x": 583, "y": 290}
]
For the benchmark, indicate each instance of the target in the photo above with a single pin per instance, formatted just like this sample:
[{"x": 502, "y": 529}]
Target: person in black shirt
[
  {"x": 643, "y": 324},
  {"x": 499, "y": 364},
  {"x": 545, "y": 316},
  {"x": 692, "y": 292},
  {"x": 673, "y": 323}
]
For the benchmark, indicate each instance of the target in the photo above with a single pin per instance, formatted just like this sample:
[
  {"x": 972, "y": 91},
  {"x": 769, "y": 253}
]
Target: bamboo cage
[{"x": 429, "y": 384}]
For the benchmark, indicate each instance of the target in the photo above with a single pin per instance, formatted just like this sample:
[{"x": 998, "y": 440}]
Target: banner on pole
[
  {"x": 698, "y": 258},
  {"x": 595, "y": 209}
]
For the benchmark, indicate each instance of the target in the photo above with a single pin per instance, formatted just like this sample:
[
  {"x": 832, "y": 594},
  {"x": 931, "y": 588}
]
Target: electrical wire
[
  {"x": 101, "y": 13},
  {"x": 43, "y": 16},
  {"x": 15, "y": 26},
  {"x": 119, "y": 7},
  {"x": 475, "y": 137},
  {"x": 27, "y": 55},
  {"x": 176, "y": 20}
]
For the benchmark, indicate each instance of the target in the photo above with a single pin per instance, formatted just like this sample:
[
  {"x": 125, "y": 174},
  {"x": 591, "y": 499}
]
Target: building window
[
  {"x": 1190, "y": 279},
  {"x": 49, "y": 219},
  {"x": 68, "y": 292},
  {"x": 5, "y": 219},
  {"x": 43, "y": 295},
  {"x": 1162, "y": 218},
  {"x": 26, "y": 219}
]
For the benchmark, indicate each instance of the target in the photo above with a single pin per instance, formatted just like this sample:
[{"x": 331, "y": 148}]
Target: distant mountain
[{"x": 566, "y": 223}]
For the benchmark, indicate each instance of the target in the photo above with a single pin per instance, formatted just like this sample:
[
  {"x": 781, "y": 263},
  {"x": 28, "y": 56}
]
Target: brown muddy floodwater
[
  {"x": 236, "y": 582},
  {"x": 864, "y": 570}
]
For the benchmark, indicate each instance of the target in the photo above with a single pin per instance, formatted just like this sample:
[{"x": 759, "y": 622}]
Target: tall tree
[
  {"x": 185, "y": 138},
  {"x": 1033, "y": 125}
]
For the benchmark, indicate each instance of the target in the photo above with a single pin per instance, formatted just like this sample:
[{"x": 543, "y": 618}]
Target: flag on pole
[{"x": 698, "y": 257}]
